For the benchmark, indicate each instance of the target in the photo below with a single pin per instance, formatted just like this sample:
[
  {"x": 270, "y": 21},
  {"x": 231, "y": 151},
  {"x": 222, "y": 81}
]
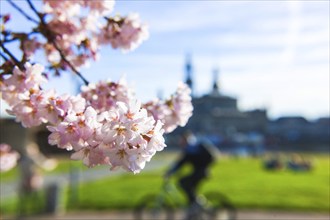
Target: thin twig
[
  {"x": 22, "y": 12},
  {"x": 17, "y": 62},
  {"x": 63, "y": 57},
  {"x": 33, "y": 8},
  {"x": 9, "y": 40},
  {"x": 6, "y": 40},
  {"x": 3, "y": 56},
  {"x": 6, "y": 67}
]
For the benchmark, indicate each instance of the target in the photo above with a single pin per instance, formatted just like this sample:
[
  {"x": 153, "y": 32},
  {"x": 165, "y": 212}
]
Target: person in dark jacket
[{"x": 198, "y": 153}]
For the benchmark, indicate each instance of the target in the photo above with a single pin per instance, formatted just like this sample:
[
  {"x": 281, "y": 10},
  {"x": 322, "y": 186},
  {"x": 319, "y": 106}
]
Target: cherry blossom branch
[
  {"x": 16, "y": 36},
  {"x": 9, "y": 40},
  {"x": 105, "y": 124},
  {"x": 22, "y": 12},
  {"x": 51, "y": 39},
  {"x": 6, "y": 67},
  {"x": 63, "y": 57},
  {"x": 17, "y": 62}
]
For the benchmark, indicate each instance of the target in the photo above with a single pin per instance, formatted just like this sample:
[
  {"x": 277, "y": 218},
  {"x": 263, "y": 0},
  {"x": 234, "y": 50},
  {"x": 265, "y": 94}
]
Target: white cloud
[{"x": 291, "y": 91}]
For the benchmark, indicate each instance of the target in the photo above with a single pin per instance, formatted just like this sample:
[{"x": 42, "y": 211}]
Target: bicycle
[{"x": 165, "y": 205}]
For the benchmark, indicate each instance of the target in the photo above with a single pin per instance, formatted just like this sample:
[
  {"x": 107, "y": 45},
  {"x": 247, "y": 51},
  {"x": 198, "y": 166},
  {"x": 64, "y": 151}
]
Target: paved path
[{"x": 242, "y": 215}]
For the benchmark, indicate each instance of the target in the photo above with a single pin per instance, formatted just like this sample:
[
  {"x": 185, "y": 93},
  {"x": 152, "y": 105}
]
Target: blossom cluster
[
  {"x": 8, "y": 158},
  {"x": 173, "y": 111},
  {"x": 88, "y": 33},
  {"x": 104, "y": 125},
  {"x": 105, "y": 94},
  {"x": 78, "y": 29}
]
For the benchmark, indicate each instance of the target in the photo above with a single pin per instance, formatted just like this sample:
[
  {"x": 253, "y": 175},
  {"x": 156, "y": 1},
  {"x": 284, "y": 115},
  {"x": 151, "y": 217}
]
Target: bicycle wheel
[
  {"x": 225, "y": 213},
  {"x": 220, "y": 207},
  {"x": 201, "y": 213},
  {"x": 152, "y": 207}
]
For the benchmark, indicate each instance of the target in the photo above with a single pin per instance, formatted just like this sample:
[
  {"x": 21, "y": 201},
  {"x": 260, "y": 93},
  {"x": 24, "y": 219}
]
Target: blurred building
[
  {"x": 297, "y": 133},
  {"x": 217, "y": 114}
]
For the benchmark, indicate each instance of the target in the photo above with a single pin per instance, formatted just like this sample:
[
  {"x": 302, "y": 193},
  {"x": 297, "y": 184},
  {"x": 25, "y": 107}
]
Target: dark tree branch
[
  {"x": 22, "y": 12},
  {"x": 33, "y": 8},
  {"x": 9, "y": 40},
  {"x": 3, "y": 56},
  {"x": 16, "y": 61},
  {"x": 6, "y": 67},
  {"x": 15, "y": 36},
  {"x": 63, "y": 57}
]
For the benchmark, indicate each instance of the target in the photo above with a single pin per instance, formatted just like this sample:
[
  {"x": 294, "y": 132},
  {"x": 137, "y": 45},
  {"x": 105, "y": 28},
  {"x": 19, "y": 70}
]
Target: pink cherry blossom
[
  {"x": 46, "y": 109},
  {"x": 125, "y": 33},
  {"x": 74, "y": 131},
  {"x": 105, "y": 94},
  {"x": 66, "y": 104},
  {"x": 24, "y": 80},
  {"x": 180, "y": 104},
  {"x": 27, "y": 112},
  {"x": 100, "y": 7},
  {"x": 67, "y": 31},
  {"x": 62, "y": 9},
  {"x": 29, "y": 46},
  {"x": 91, "y": 156},
  {"x": 174, "y": 111},
  {"x": 64, "y": 135},
  {"x": 21, "y": 84},
  {"x": 157, "y": 141}
]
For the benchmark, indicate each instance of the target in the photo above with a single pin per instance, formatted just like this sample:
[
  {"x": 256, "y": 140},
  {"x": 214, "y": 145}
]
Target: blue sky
[{"x": 271, "y": 54}]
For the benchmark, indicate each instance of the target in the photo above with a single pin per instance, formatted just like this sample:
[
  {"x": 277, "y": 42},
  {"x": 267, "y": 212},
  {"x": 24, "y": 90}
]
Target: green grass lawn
[
  {"x": 248, "y": 185},
  {"x": 243, "y": 180}
]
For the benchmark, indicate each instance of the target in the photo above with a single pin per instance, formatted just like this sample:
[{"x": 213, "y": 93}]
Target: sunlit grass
[
  {"x": 243, "y": 180},
  {"x": 248, "y": 185}
]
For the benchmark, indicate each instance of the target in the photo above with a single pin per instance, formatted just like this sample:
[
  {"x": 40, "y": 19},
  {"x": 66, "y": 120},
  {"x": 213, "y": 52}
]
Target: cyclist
[{"x": 200, "y": 153}]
